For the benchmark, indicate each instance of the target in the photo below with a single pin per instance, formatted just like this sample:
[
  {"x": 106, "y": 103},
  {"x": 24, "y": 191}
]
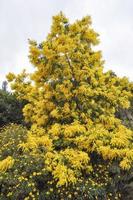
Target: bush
[
  {"x": 18, "y": 181},
  {"x": 28, "y": 178}
]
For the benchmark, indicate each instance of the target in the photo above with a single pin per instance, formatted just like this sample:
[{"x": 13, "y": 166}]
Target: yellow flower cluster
[
  {"x": 34, "y": 142},
  {"x": 6, "y": 164},
  {"x": 77, "y": 160}
]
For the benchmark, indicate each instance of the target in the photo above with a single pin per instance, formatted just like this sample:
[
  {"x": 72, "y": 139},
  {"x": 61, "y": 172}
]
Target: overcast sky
[{"x": 23, "y": 19}]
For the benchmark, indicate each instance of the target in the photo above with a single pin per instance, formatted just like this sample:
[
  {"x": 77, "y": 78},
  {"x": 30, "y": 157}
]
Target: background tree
[
  {"x": 10, "y": 109},
  {"x": 71, "y": 106}
]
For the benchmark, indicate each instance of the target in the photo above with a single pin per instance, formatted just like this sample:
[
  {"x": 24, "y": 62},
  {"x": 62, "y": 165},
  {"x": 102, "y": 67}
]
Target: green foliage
[{"x": 10, "y": 109}]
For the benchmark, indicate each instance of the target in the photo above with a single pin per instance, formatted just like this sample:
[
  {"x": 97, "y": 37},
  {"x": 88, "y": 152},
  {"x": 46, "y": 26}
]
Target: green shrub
[{"x": 28, "y": 179}]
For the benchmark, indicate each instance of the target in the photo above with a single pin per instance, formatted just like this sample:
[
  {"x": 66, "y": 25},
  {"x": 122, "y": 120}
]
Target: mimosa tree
[{"x": 71, "y": 108}]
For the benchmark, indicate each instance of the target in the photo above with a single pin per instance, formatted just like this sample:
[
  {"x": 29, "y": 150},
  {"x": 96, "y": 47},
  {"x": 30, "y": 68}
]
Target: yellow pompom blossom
[
  {"x": 72, "y": 103},
  {"x": 6, "y": 164}
]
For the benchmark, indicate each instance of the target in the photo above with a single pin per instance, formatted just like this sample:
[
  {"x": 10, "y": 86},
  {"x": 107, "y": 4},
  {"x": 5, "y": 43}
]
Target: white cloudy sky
[{"x": 23, "y": 19}]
